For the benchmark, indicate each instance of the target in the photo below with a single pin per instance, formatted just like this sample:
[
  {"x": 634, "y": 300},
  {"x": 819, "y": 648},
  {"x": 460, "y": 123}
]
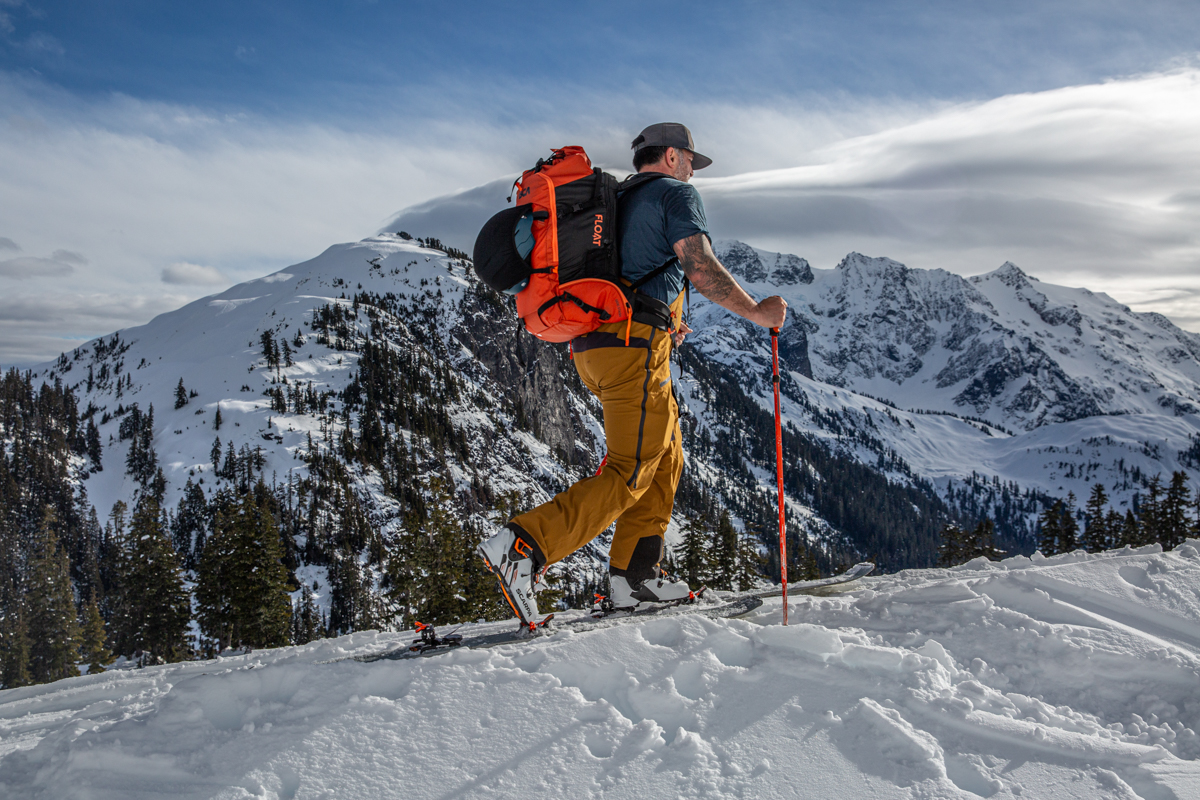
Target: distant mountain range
[{"x": 911, "y": 397}]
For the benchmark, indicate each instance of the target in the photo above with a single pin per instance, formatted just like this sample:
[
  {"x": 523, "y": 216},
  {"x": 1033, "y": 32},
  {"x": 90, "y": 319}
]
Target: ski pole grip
[{"x": 774, "y": 331}]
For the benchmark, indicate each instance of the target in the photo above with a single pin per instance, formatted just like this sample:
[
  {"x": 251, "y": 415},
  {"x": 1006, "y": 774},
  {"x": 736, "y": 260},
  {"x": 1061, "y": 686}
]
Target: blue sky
[
  {"x": 332, "y": 61},
  {"x": 156, "y": 152}
]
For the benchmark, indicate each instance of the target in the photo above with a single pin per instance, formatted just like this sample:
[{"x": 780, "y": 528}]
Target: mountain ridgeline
[{"x": 318, "y": 451}]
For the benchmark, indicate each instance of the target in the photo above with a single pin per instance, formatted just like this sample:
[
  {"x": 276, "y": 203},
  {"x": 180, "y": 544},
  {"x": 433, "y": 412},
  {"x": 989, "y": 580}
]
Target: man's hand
[
  {"x": 680, "y": 332},
  {"x": 713, "y": 281},
  {"x": 770, "y": 312}
]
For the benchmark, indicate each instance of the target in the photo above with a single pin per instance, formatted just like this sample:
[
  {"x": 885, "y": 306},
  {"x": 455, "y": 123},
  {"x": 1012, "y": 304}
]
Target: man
[{"x": 664, "y": 239}]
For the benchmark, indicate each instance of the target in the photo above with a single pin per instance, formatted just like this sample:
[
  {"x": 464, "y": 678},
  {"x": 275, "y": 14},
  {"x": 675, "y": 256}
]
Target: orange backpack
[{"x": 573, "y": 270}]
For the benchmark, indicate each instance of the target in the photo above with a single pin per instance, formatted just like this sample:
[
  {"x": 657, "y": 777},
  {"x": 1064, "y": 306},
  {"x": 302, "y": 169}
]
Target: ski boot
[
  {"x": 514, "y": 559},
  {"x": 626, "y": 596}
]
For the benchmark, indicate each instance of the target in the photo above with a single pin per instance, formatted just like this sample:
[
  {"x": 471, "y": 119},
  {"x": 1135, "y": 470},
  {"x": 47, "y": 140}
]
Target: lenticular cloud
[{"x": 1091, "y": 180}]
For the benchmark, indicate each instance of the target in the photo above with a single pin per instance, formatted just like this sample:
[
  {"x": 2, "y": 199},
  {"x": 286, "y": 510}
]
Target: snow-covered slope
[
  {"x": 1002, "y": 346},
  {"x": 1064, "y": 387},
  {"x": 214, "y": 346},
  {"x": 1073, "y": 677},
  {"x": 868, "y": 346}
]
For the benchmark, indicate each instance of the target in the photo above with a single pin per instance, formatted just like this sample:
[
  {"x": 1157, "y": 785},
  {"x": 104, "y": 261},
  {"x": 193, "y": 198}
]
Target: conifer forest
[{"x": 244, "y": 557}]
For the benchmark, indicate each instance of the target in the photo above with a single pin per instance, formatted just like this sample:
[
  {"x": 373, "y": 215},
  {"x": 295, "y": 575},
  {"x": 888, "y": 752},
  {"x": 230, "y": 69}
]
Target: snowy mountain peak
[
  {"x": 1000, "y": 346},
  {"x": 762, "y": 266},
  {"x": 1007, "y": 273},
  {"x": 857, "y": 267}
]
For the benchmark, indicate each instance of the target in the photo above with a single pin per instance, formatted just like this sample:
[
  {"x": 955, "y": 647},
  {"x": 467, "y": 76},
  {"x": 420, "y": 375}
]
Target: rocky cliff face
[
  {"x": 1002, "y": 346},
  {"x": 389, "y": 346}
]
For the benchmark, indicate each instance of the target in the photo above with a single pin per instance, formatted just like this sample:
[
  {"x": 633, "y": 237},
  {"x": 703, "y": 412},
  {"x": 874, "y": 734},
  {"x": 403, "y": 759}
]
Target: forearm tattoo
[{"x": 705, "y": 272}]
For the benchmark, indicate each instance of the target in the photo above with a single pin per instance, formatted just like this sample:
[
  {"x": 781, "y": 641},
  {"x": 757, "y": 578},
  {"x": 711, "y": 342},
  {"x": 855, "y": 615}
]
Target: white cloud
[
  {"x": 27, "y": 267},
  {"x": 6, "y": 23},
  {"x": 43, "y": 44},
  {"x": 194, "y": 275},
  {"x": 1090, "y": 182},
  {"x": 36, "y": 326},
  {"x": 69, "y": 257},
  {"x": 1089, "y": 185}
]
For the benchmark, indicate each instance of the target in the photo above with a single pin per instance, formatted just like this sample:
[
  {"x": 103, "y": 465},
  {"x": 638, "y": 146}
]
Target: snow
[
  {"x": 1073, "y": 676},
  {"x": 1116, "y": 391}
]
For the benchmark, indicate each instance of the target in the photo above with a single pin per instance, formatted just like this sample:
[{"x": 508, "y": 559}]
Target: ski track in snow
[{"x": 1070, "y": 677}]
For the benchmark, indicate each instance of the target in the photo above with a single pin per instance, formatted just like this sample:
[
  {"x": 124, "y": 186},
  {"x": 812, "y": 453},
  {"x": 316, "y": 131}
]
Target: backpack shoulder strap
[
  {"x": 636, "y": 180},
  {"x": 654, "y": 273}
]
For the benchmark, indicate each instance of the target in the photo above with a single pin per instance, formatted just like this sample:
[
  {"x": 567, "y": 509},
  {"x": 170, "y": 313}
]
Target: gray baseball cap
[{"x": 670, "y": 134}]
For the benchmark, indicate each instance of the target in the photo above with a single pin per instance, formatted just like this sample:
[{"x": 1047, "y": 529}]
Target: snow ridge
[{"x": 1067, "y": 677}]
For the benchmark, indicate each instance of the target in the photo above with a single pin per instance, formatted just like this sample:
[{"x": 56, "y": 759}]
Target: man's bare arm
[{"x": 713, "y": 281}]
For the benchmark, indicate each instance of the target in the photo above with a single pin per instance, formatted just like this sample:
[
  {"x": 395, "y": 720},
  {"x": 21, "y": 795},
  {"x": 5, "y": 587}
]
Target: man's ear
[{"x": 671, "y": 157}]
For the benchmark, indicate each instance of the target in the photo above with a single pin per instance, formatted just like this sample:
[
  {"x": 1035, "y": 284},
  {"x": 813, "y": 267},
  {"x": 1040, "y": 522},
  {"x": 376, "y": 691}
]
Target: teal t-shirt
[{"x": 652, "y": 219}]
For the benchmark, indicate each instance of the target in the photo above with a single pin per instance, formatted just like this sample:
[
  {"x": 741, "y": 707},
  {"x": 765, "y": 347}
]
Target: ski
[
  {"x": 822, "y": 585},
  {"x": 431, "y": 644}
]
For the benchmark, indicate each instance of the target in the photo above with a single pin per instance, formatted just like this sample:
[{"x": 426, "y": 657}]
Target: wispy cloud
[
  {"x": 6, "y": 7},
  {"x": 38, "y": 326},
  {"x": 1090, "y": 185},
  {"x": 8, "y": 244},
  {"x": 193, "y": 275},
  {"x": 27, "y": 267},
  {"x": 69, "y": 257}
]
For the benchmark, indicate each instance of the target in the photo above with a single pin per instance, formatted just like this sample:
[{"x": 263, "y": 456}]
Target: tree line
[{"x": 1158, "y": 516}]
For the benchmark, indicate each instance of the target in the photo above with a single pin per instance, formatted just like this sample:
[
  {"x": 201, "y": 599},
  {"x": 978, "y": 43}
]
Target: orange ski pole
[{"x": 779, "y": 468}]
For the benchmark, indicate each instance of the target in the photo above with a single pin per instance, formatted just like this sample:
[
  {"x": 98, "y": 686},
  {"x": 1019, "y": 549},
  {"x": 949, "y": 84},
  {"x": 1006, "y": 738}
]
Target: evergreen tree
[
  {"x": 1096, "y": 534},
  {"x": 1059, "y": 530},
  {"x": 217, "y": 419},
  {"x": 181, "y": 395},
  {"x": 14, "y": 646},
  {"x": 188, "y": 526},
  {"x": 241, "y": 592},
  {"x": 982, "y": 542},
  {"x": 1114, "y": 523},
  {"x": 750, "y": 559},
  {"x": 14, "y": 632},
  {"x": 1150, "y": 522},
  {"x": 694, "y": 561},
  {"x": 351, "y": 603},
  {"x": 214, "y": 455},
  {"x": 1174, "y": 511},
  {"x": 270, "y": 351},
  {"x": 83, "y": 548},
  {"x": 1050, "y": 529},
  {"x": 804, "y": 568},
  {"x": 725, "y": 553},
  {"x": 158, "y": 486},
  {"x": 112, "y": 558},
  {"x": 152, "y": 610},
  {"x": 1068, "y": 527},
  {"x": 55, "y": 649},
  {"x": 960, "y": 545},
  {"x": 1195, "y": 531},
  {"x": 306, "y": 618},
  {"x": 93, "y": 445},
  {"x": 229, "y": 470},
  {"x": 94, "y": 639},
  {"x": 551, "y": 590},
  {"x": 1131, "y": 530},
  {"x": 141, "y": 462},
  {"x": 434, "y": 575},
  {"x": 953, "y": 549}
]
